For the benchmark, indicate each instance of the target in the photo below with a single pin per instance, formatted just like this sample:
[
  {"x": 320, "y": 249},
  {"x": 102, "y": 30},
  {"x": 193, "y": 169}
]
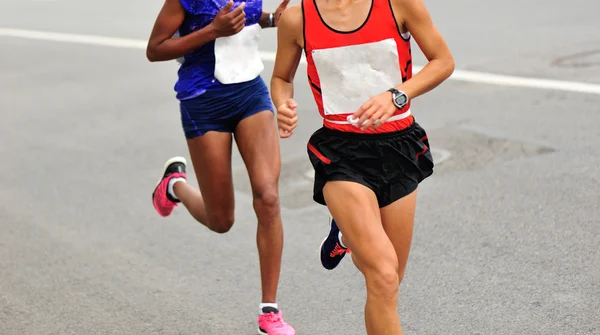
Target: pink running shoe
[
  {"x": 271, "y": 323},
  {"x": 163, "y": 202}
]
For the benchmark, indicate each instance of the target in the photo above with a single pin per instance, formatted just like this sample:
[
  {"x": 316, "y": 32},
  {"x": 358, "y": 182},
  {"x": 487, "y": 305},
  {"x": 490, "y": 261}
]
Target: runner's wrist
[
  {"x": 212, "y": 31},
  {"x": 267, "y": 20},
  {"x": 281, "y": 101},
  {"x": 278, "y": 102}
]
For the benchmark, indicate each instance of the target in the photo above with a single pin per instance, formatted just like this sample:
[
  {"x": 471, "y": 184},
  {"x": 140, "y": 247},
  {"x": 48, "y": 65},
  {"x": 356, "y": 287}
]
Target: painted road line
[{"x": 459, "y": 75}]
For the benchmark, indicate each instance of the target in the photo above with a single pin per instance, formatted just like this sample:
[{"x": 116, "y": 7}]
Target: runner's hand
[
  {"x": 277, "y": 14},
  {"x": 287, "y": 118},
  {"x": 374, "y": 113},
  {"x": 230, "y": 22}
]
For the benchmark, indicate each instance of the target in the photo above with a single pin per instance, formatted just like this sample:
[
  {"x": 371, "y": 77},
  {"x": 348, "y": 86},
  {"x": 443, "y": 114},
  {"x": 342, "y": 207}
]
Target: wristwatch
[
  {"x": 271, "y": 20},
  {"x": 399, "y": 98}
]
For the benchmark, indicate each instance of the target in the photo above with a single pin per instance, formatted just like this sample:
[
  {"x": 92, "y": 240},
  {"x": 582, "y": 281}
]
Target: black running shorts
[{"x": 390, "y": 164}]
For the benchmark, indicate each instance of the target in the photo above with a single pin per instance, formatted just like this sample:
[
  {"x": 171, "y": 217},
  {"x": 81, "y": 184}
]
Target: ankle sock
[
  {"x": 340, "y": 240},
  {"x": 263, "y": 305},
  {"x": 170, "y": 187}
]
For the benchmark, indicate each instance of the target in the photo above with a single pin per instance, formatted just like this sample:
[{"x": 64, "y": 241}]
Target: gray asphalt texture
[{"x": 507, "y": 239}]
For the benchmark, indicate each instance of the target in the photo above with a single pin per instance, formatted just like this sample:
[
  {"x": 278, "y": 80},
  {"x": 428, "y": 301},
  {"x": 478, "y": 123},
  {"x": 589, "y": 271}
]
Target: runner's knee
[
  {"x": 381, "y": 273},
  {"x": 266, "y": 200},
  {"x": 383, "y": 281},
  {"x": 221, "y": 223}
]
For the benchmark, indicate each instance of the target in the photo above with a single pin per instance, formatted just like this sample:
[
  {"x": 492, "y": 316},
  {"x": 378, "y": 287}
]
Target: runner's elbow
[
  {"x": 157, "y": 53},
  {"x": 448, "y": 65},
  {"x": 151, "y": 54},
  {"x": 154, "y": 56},
  {"x": 444, "y": 66},
  {"x": 278, "y": 80},
  {"x": 451, "y": 65}
]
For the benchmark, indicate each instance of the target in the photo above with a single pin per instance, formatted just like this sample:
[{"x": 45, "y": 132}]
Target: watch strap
[
  {"x": 394, "y": 91},
  {"x": 271, "y": 20}
]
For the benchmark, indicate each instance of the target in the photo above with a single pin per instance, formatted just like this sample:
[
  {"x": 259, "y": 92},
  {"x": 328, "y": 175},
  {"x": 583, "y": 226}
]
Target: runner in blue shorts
[{"x": 222, "y": 97}]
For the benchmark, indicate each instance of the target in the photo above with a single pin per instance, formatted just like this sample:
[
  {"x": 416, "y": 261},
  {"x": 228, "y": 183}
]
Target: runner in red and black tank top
[
  {"x": 370, "y": 155},
  {"x": 379, "y": 25}
]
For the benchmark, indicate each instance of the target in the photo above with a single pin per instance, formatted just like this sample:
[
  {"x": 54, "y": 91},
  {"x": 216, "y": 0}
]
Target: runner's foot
[
  {"x": 270, "y": 322},
  {"x": 165, "y": 203},
  {"x": 332, "y": 252}
]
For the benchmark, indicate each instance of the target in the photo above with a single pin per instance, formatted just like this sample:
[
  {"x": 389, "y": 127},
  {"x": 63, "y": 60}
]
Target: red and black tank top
[{"x": 347, "y": 68}]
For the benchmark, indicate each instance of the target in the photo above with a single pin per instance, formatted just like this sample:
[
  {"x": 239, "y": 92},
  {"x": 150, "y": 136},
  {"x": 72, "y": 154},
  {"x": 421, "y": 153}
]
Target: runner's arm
[
  {"x": 265, "y": 20},
  {"x": 416, "y": 18},
  {"x": 288, "y": 55},
  {"x": 162, "y": 46}
]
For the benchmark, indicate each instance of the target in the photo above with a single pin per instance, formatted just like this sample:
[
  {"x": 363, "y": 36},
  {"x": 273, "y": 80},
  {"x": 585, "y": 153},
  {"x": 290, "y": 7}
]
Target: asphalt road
[{"x": 507, "y": 239}]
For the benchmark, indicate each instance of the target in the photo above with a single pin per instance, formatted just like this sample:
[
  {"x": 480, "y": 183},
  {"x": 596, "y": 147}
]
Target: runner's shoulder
[
  {"x": 404, "y": 9},
  {"x": 407, "y": 5},
  {"x": 291, "y": 18}
]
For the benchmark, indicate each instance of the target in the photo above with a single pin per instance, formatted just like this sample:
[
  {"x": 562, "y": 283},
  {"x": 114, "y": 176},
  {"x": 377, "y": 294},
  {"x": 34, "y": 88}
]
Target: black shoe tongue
[{"x": 269, "y": 309}]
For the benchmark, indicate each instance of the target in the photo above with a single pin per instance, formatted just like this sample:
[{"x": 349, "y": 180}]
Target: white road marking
[
  {"x": 459, "y": 75},
  {"x": 440, "y": 155},
  {"x": 113, "y": 42}
]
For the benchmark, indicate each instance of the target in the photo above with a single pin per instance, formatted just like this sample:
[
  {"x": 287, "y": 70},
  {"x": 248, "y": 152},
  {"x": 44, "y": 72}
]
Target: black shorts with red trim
[{"x": 391, "y": 164}]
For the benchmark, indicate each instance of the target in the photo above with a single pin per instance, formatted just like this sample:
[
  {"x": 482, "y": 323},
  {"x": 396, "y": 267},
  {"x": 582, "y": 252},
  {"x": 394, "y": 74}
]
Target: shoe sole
[{"x": 260, "y": 332}]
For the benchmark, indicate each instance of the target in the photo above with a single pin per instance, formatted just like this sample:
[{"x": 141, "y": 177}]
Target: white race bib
[
  {"x": 237, "y": 58},
  {"x": 351, "y": 75}
]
